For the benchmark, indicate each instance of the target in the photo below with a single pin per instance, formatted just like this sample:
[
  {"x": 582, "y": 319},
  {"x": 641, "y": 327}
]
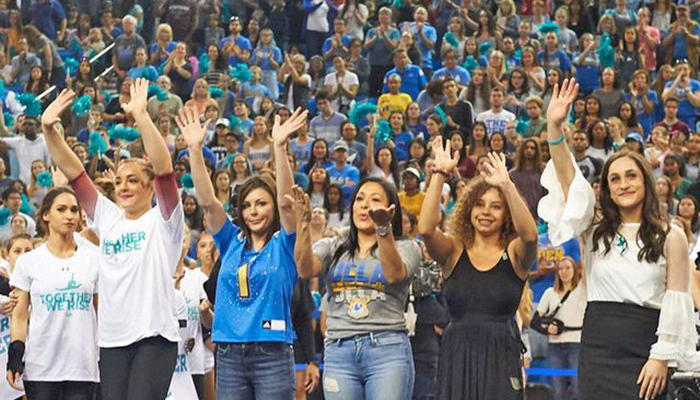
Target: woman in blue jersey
[{"x": 252, "y": 324}]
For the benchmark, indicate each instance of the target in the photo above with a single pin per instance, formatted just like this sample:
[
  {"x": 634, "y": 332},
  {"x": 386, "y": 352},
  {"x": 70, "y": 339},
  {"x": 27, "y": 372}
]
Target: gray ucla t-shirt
[{"x": 360, "y": 300}]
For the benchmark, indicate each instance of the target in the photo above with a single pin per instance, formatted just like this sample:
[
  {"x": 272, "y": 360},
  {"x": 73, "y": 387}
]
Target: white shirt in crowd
[
  {"x": 192, "y": 288},
  {"x": 138, "y": 259},
  {"x": 28, "y": 151},
  {"x": 62, "y": 322},
  {"x": 495, "y": 122},
  {"x": 182, "y": 385},
  {"x": 349, "y": 79}
]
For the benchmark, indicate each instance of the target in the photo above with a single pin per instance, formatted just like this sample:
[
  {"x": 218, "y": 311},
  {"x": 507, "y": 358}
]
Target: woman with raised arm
[
  {"x": 367, "y": 353},
  {"x": 252, "y": 325},
  {"x": 59, "y": 280},
  {"x": 139, "y": 248},
  {"x": 637, "y": 269},
  {"x": 485, "y": 259}
]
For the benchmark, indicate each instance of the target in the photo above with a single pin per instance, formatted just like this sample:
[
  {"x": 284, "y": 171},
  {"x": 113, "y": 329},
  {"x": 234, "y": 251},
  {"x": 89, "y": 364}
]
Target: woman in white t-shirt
[
  {"x": 139, "y": 251},
  {"x": 569, "y": 294},
  {"x": 59, "y": 280}
]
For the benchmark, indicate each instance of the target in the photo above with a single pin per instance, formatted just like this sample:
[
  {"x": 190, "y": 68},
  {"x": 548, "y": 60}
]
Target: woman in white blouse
[{"x": 637, "y": 269}]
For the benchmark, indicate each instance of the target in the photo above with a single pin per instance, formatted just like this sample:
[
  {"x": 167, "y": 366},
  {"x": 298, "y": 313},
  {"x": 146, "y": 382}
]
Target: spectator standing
[
  {"x": 342, "y": 173},
  {"x": 426, "y": 36},
  {"x": 125, "y": 45},
  {"x": 687, "y": 91},
  {"x": 297, "y": 83},
  {"x": 496, "y": 117},
  {"x": 22, "y": 63},
  {"x": 609, "y": 95},
  {"x": 380, "y": 42},
  {"x": 179, "y": 69},
  {"x": 170, "y": 105},
  {"x": 683, "y": 37},
  {"x": 182, "y": 16},
  {"x": 460, "y": 115},
  {"x": 317, "y": 26},
  {"x": 342, "y": 86},
  {"x": 527, "y": 172},
  {"x": 28, "y": 146},
  {"x": 269, "y": 58},
  {"x": 326, "y": 125},
  {"x": 355, "y": 15},
  {"x": 412, "y": 77},
  {"x": 236, "y": 46},
  {"x": 50, "y": 18}
]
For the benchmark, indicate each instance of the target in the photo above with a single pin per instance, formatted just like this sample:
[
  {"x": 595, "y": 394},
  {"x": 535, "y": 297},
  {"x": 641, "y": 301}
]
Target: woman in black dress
[{"x": 485, "y": 258}]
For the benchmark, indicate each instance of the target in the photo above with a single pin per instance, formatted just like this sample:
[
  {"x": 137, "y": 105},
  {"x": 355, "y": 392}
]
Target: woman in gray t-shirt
[{"x": 367, "y": 351}]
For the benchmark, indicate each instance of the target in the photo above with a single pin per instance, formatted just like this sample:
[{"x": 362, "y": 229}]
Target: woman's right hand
[
  {"x": 445, "y": 162},
  {"x": 301, "y": 203},
  {"x": 192, "y": 130},
  {"x": 14, "y": 380},
  {"x": 561, "y": 101},
  {"x": 53, "y": 112}
]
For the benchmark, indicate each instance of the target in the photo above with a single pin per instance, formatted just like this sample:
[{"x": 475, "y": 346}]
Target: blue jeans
[
  {"x": 255, "y": 371},
  {"x": 564, "y": 356},
  {"x": 269, "y": 79},
  {"x": 376, "y": 366}
]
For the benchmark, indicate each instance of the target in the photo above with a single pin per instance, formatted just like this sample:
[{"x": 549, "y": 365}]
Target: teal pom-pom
[
  {"x": 98, "y": 146},
  {"x": 118, "y": 132},
  {"x": 155, "y": 90},
  {"x": 235, "y": 122},
  {"x": 470, "y": 63},
  {"x": 3, "y": 91},
  {"x": 75, "y": 47},
  {"x": 549, "y": 27},
  {"x": 605, "y": 51},
  {"x": 383, "y": 132},
  {"x": 26, "y": 207},
  {"x": 5, "y": 216},
  {"x": 186, "y": 181},
  {"x": 71, "y": 65},
  {"x": 452, "y": 39},
  {"x": 241, "y": 73},
  {"x": 82, "y": 106},
  {"x": 441, "y": 113},
  {"x": 522, "y": 126},
  {"x": 542, "y": 228},
  {"x": 204, "y": 63},
  {"x": 32, "y": 106},
  {"x": 484, "y": 47},
  {"x": 215, "y": 92},
  {"x": 359, "y": 113},
  {"x": 9, "y": 119},
  {"x": 44, "y": 179},
  {"x": 229, "y": 160}
]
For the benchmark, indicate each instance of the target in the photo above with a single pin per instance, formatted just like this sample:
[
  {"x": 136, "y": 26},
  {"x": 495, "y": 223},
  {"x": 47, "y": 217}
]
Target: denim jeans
[
  {"x": 269, "y": 79},
  {"x": 564, "y": 356},
  {"x": 377, "y": 366},
  {"x": 255, "y": 371}
]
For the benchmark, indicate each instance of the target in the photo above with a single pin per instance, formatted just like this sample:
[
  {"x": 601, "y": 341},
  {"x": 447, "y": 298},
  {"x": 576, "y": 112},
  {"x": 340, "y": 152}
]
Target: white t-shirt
[
  {"x": 349, "y": 79},
  {"x": 495, "y": 122},
  {"x": 62, "y": 323},
  {"x": 289, "y": 101},
  {"x": 191, "y": 287},
  {"x": 138, "y": 259},
  {"x": 317, "y": 21},
  {"x": 181, "y": 384},
  {"x": 27, "y": 151}
]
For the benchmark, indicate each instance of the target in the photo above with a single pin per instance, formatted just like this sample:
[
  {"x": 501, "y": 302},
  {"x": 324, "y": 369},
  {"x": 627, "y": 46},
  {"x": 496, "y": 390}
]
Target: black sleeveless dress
[{"x": 481, "y": 348}]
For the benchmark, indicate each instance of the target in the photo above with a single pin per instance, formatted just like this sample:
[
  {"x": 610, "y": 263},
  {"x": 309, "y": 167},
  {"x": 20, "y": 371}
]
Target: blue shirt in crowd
[
  {"x": 347, "y": 178},
  {"x": 412, "y": 80},
  {"x": 241, "y": 42}
]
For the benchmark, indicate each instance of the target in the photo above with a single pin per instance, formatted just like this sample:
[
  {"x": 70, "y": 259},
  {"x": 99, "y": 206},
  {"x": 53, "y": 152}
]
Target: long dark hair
[
  {"x": 607, "y": 142},
  {"x": 351, "y": 245},
  {"x": 47, "y": 203},
  {"x": 196, "y": 219},
  {"x": 632, "y": 122},
  {"x": 341, "y": 200},
  {"x": 268, "y": 185},
  {"x": 312, "y": 159},
  {"x": 695, "y": 222},
  {"x": 393, "y": 165},
  {"x": 653, "y": 229}
]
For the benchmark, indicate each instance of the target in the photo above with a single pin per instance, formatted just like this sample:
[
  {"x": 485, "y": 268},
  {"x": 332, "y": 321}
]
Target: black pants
[
  {"x": 69, "y": 390},
  {"x": 199, "y": 385},
  {"x": 376, "y": 78},
  {"x": 140, "y": 371}
]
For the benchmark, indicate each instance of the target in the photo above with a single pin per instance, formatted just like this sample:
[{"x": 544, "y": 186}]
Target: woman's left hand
[
  {"x": 313, "y": 376},
  {"x": 496, "y": 173},
  {"x": 382, "y": 216},
  {"x": 652, "y": 379}
]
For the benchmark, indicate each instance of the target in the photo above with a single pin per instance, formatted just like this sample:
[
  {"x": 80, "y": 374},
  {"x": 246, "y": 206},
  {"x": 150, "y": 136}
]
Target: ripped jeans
[{"x": 375, "y": 366}]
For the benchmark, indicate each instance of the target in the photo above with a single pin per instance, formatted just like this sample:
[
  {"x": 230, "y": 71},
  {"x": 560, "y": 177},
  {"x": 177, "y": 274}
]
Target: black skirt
[
  {"x": 480, "y": 360},
  {"x": 615, "y": 344}
]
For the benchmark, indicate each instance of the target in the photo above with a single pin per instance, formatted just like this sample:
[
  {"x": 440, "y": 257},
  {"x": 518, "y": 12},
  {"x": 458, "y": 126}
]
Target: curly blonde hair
[{"x": 460, "y": 223}]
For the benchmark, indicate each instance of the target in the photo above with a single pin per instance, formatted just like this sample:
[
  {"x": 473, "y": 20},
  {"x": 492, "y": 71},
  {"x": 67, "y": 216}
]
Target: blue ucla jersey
[{"x": 254, "y": 289}]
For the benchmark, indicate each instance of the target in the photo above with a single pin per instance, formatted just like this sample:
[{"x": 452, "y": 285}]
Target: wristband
[
  {"x": 15, "y": 354},
  {"x": 556, "y": 141}
]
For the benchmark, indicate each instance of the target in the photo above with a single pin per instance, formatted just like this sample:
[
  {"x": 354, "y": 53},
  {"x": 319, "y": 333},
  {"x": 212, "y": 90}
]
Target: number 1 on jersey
[{"x": 243, "y": 282}]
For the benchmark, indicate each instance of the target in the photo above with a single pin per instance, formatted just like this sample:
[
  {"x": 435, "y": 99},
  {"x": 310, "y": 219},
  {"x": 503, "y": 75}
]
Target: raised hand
[
  {"x": 58, "y": 177},
  {"x": 300, "y": 203},
  {"x": 381, "y": 215},
  {"x": 139, "y": 97},
  {"x": 496, "y": 173},
  {"x": 282, "y": 132},
  {"x": 53, "y": 112},
  {"x": 445, "y": 162},
  {"x": 561, "y": 101},
  {"x": 190, "y": 127}
]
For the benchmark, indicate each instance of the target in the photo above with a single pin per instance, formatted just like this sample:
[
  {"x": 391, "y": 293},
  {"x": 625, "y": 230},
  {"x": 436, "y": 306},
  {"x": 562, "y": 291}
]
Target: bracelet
[{"x": 556, "y": 141}]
